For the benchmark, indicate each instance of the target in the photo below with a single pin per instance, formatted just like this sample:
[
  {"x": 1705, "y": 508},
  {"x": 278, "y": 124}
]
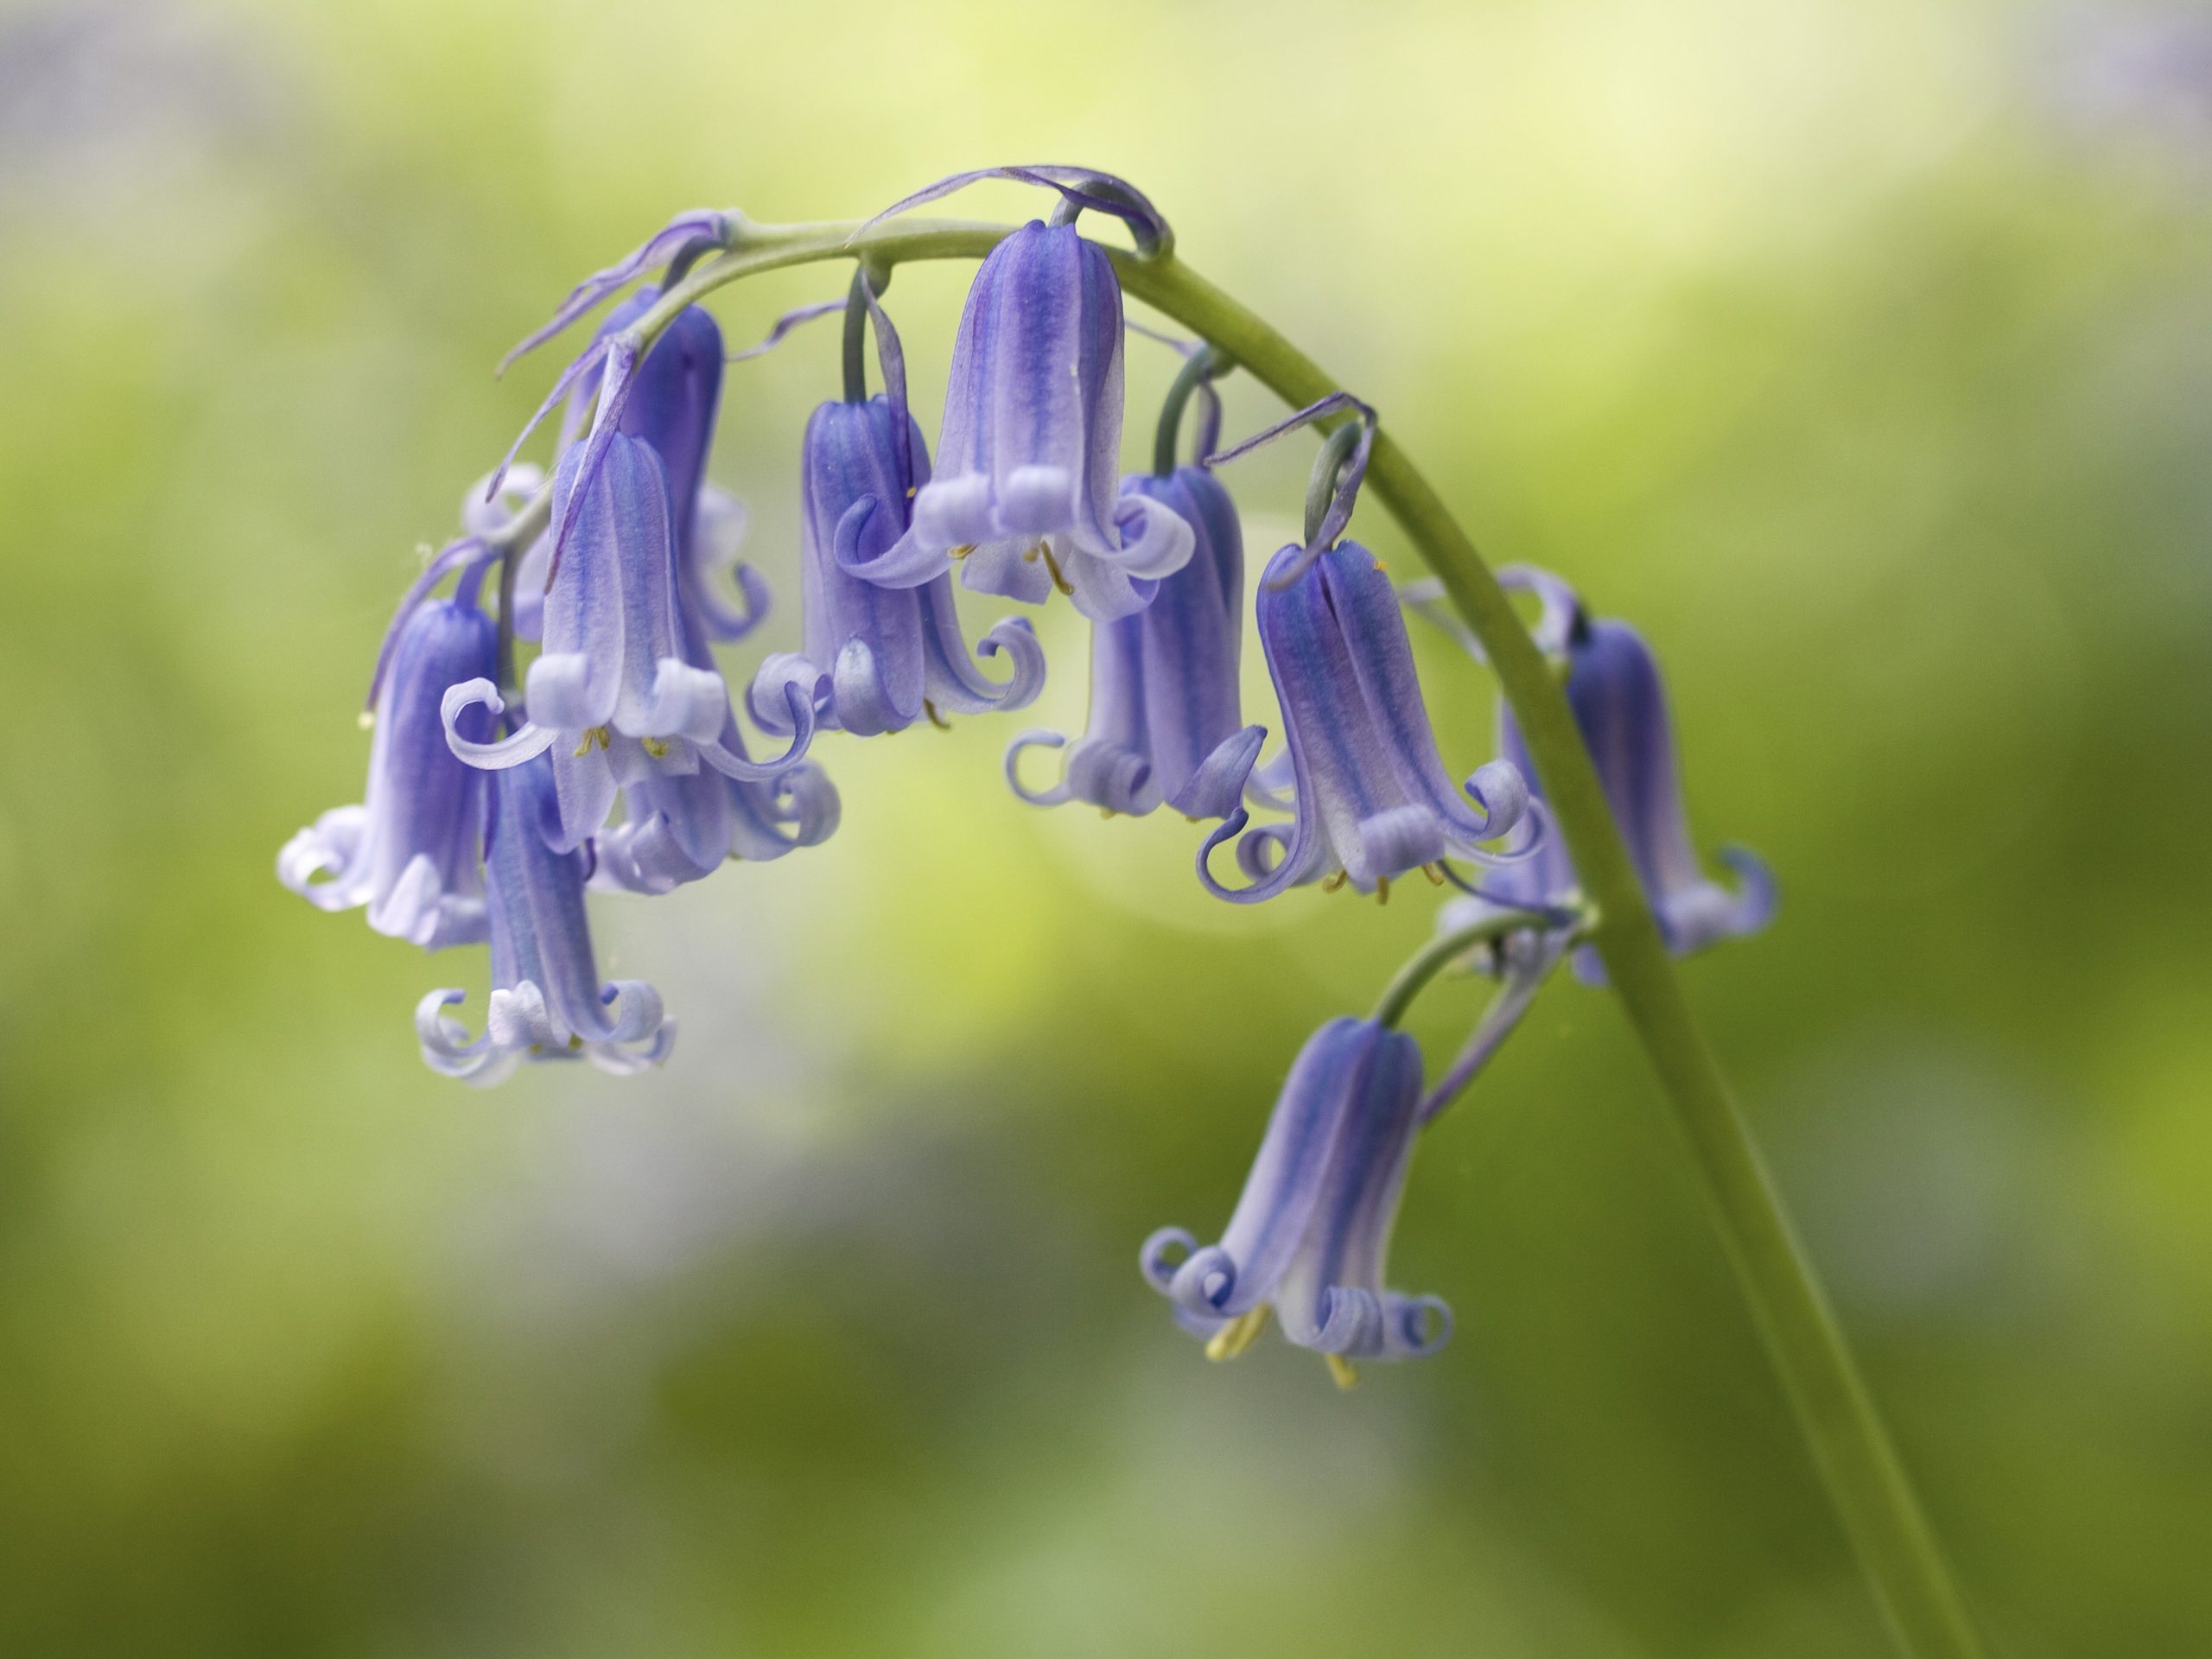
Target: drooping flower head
[
  {"x": 1310, "y": 1235},
  {"x": 1164, "y": 723},
  {"x": 547, "y": 1003},
  {"x": 410, "y": 850},
  {"x": 1371, "y": 799},
  {"x": 877, "y": 658},
  {"x": 1619, "y": 701},
  {"x": 1029, "y": 454}
]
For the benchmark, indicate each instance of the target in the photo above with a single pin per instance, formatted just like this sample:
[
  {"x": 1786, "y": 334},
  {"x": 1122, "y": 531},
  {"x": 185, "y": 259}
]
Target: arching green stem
[{"x": 1850, "y": 1447}]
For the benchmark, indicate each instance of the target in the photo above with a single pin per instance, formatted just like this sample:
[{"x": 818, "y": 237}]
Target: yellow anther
[
  {"x": 911, "y": 488},
  {"x": 960, "y": 552},
  {"x": 595, "y": 737},
  {"x": 1434, "y": 873},
  {"x": 1238, "y": 1335},
  {"x": 1331, "y": 883},
  {"x": 1381, "y": 568},
  {"x": 936, "y": 719},
  {"x": 1058, "y": 581},
  {"x": 575, "y": 1042},
  {"x": 655, "y": 748},
  {"x": 368, "y": 718},
  {"x": 1343, "y": 1370},
  {"x": 1382, "y": 889},
  {"x": 1105, "y": 812}
]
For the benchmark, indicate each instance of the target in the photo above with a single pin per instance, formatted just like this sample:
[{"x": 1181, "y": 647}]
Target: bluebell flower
[
  {"x": 1619, "y": 701},
  {"x": 1369, "y": 796},
  {"x": 410, "y": 850},
  {"x": 681, "y": 819},
  {"x": 1164, "y": 724},
  {"x": 1310, "y": 1235},
  {"x": 615, "y": 694},
  {"x": 877, "y": 658},
  {"x": 1029, "y": 456},
  {"x": 547, "y": 1003}
]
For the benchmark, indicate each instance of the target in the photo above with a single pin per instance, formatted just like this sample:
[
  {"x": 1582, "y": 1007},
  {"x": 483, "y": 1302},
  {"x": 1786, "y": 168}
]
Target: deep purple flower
[
  {"x": 876, "y": 658},
  {"x": 1030, "y": 455},
  {"x": 1312, "y": 1233},
  {"x": 1619, "y": 701},
  {"x": 410, "y": 851},
  {"x": 547, "y": 1001},
  {"x": 1164, "y": 723},
  {"x": 615, "y": 694},
  {"x": 1369, "y": 796}
]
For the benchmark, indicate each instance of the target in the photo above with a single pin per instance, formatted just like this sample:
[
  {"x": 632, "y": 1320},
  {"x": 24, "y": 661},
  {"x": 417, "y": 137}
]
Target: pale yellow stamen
[
  {"x": 1382, "y": 889},
  {"x": 1343, "y": 1370},
  {"x": 595, "y": 737},
  {"x": 1434, "y": 873},
  {"x": 655, "y": 748},
  {"x": 1331, "y": 883},
  {"x": 936, "y": 719},
  {"x": 960, "y": 552},
  {"x": 1045, "y": 552},
  {"x": 1238, "y": 1335}
]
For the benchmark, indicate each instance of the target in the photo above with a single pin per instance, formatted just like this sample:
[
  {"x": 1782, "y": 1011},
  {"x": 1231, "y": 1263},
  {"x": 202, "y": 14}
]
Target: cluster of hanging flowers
[{"x": 499, "y": 795}]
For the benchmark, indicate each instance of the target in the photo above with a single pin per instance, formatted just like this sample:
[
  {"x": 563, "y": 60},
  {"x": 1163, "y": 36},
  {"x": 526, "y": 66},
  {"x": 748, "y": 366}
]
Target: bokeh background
[{"x": 1861, "y": 352}]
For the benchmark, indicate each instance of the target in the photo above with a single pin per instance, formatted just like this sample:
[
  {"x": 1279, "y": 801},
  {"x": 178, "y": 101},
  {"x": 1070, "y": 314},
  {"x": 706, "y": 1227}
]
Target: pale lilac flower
[
  {"x": 1029, "y": 457},
  {"x": 547, "y": 1003},
  {"x": 1164, "y": 723},
  {"x": 1310, "y": 1235},
  {"x": 410, "y": 851},
  {"x": 1370, "y": 798}
]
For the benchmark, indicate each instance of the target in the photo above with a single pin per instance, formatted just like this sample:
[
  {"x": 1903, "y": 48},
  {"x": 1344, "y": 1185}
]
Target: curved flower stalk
[
  {"x": 1619, "y": 701},
  {"x": 1164, "y": 723},
  {"x": 547, "y": 1003},
  {"x": 409, "y": 850},
  {"x": 1521, "y": 960},
  {"x": 877, "y": 658},
  {"x": 613, "y": 694},
  {"x": 1311, "y": 1234},
  {"x": 1369, "y": 796},
  {"x": 1029, "y": 457}
]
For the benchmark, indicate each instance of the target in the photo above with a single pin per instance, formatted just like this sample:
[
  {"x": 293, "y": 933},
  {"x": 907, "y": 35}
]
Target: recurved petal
[{"x": 323, "y": 862}]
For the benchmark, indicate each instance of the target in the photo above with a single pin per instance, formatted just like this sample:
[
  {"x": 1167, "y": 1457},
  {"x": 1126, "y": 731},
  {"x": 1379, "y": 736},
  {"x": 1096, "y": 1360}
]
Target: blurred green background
[{"x": 1862, "y": 353}]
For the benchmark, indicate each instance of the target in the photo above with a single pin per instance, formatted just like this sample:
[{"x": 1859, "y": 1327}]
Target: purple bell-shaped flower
[
  {"x": 547, "y": 1001},
  {"x": 1310, "y": 1235},
  {"x": 410, "y": 850},
  {"x": 1164, "y": 723}
]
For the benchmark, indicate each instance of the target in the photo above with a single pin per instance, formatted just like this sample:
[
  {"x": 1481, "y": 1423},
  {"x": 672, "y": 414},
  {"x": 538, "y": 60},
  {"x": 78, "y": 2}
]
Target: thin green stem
[
  {"x": 1203, "y": 365},
  {"x": 1440, "y": 952},
  {"x": 855, "y": 356},
  {"x": 1873, "y": 1497}
]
